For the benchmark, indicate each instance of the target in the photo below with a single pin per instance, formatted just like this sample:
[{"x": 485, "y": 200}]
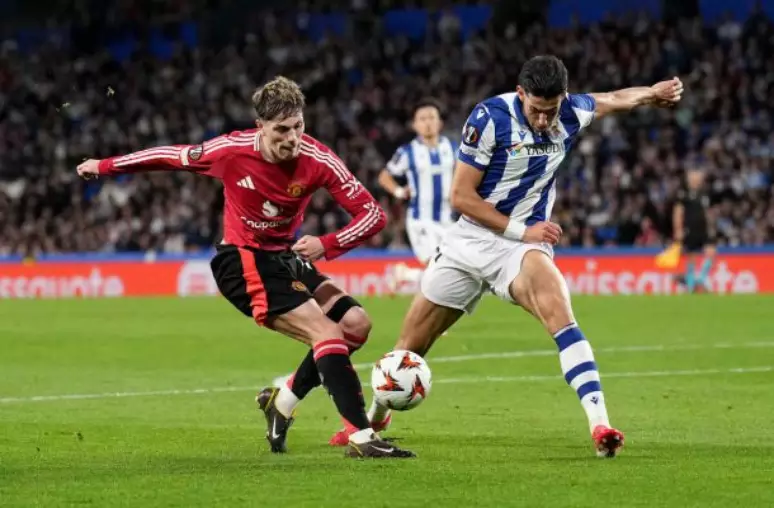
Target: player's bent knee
[{"x": 356, "y": 322}]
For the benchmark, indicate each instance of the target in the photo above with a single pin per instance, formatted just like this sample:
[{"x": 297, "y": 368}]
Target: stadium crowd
[{"x": 69, "y": 99}]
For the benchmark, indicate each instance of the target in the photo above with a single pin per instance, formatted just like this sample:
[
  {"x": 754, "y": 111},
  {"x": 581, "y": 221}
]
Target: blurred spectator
[{"x": 71, "y": 98}]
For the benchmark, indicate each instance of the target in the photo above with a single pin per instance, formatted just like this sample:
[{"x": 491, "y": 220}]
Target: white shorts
[
  {"x": 425, "y": 237},
  {"x": 473, "y": 260}
]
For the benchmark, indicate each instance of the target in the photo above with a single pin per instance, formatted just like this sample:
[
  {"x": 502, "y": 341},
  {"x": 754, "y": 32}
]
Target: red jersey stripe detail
[
  {"x": 145, "y": 159},
  {"x": 147, "y": 155},
  {"x": 255, "y": 288},
  {"x": 149, "y": 151},
  {"x": 336, "y": 165},
  {"x": 361, "y": 227},
  {"x": 356, "y": 227},
  {"x": 330, "y": 159},
  {"x": 217, "y": 145}
]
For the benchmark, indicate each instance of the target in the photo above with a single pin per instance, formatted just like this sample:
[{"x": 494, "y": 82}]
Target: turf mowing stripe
[
  {"x": 450, "y": 359},
  {"x": 552, "y": 352},
  {"x": 607, "y": 375},
  {"x": 460, "y": 380},
  {"x": 601, "y": 350}
]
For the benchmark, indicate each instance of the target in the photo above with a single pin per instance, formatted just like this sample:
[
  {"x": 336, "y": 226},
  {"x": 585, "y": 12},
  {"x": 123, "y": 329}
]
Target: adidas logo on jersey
[{"x": 247, "y": 183}]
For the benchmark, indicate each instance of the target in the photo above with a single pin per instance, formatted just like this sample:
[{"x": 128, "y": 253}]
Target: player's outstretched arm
[
  {"x": 662, "y": 94},
  {"x": 466, "y": 200},
  {"x": 197, "y": 158}
]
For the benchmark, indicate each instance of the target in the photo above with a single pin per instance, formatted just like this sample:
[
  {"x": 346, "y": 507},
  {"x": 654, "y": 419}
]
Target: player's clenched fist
[
  {"x": 309, "y": 247},
  {"x": 89, "y": 169},
  {"x": 543, "y": 232}
]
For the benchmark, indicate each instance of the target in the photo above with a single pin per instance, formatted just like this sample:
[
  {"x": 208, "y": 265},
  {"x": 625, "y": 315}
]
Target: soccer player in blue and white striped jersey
[
  {"x": 504, "y": 187},
  {"x": 427, "y": 164}
]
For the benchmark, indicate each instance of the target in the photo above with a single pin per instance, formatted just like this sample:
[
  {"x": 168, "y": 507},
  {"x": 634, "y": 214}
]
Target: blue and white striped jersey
[
  {"x": 429, "y": 172},
  {"x": 520, "y": 165}
]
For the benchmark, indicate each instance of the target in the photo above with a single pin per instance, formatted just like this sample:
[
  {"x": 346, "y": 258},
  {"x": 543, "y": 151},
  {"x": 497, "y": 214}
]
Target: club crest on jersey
[
  {"x": 196, "y": 153},
  {"x": 296, "y": 189},
  {"x": 514, "y": 150},
  {"x": 470, "y": 135}
]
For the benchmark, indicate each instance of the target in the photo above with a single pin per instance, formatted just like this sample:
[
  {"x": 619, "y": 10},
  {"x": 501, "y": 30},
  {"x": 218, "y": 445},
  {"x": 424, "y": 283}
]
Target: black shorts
[
  {"x": 264, "y": 284},
  {"x": 695, "y": 242}
]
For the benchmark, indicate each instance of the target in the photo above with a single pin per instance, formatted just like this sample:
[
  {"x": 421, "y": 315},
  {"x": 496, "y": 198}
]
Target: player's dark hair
[
  {"x": 544, "y": 76},
  {"x": 278, "y": 99},
  {"x": 427, "y": 102}
]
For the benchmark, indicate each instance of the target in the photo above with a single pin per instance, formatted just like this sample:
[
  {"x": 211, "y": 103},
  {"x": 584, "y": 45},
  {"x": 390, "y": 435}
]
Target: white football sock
[
  {"x": 362, "y": 436},
  {"x": 580, "y": 372},
  {"x": 377, "y": 413},
  {"x": 286, "y": 401}
]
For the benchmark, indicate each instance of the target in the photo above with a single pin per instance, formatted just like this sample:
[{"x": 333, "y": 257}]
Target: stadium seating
[{"x": 70, "y": 91}]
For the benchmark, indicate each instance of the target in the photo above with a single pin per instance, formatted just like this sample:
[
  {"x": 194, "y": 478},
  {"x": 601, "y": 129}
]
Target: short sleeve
[
  {"x": 478, "y": 139},
  {"x": 584, "y": 106},
  {"x": 399, "y": 163}
]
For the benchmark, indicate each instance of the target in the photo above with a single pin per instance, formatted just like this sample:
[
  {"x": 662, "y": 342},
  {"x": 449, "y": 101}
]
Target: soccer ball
[{"x": 401, "y": 380}]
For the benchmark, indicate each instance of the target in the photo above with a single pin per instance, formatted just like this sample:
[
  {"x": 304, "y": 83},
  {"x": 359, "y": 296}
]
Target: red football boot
[
  {"x": 341, "y": 438},
  {"x": 607, "y": 441}
]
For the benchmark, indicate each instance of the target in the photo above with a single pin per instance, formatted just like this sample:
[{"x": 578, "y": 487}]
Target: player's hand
[
  {"x": 309, "y": 247},
  {"x": 543, "y": 232},
  {"x": 89, "y": 169},
  {"x": 402, "y": 193},
  {"x": 667, "y": 93}
]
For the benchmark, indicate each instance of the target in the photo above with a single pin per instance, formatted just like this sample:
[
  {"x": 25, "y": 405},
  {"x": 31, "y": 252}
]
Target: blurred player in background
[
  {"x": 691, "y": 226},
  {"x": 504, "y": 187},
  {"x": 427, "y": 164},
  {"x": 269, "y": 175}
]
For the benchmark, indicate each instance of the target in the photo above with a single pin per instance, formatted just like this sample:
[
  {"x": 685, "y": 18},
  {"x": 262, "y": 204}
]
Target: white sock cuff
[
  {"x": 568, "y": 327},
  {"x": 362, "y": 436}
]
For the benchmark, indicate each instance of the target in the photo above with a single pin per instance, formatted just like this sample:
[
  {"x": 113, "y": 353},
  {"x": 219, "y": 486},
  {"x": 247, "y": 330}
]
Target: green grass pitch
[{"x": 689, "y": 379}]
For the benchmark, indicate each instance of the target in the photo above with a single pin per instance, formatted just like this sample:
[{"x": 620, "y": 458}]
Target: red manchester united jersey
[{"x": 264, "y": 201}]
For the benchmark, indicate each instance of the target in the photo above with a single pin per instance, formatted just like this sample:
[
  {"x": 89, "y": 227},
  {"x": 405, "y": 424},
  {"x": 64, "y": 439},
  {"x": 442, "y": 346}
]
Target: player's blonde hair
[{"x": 278, "y": 99}]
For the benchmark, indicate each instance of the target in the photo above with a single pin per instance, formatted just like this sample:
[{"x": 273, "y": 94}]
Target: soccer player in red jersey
[{"x": 269, "y": 175}]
